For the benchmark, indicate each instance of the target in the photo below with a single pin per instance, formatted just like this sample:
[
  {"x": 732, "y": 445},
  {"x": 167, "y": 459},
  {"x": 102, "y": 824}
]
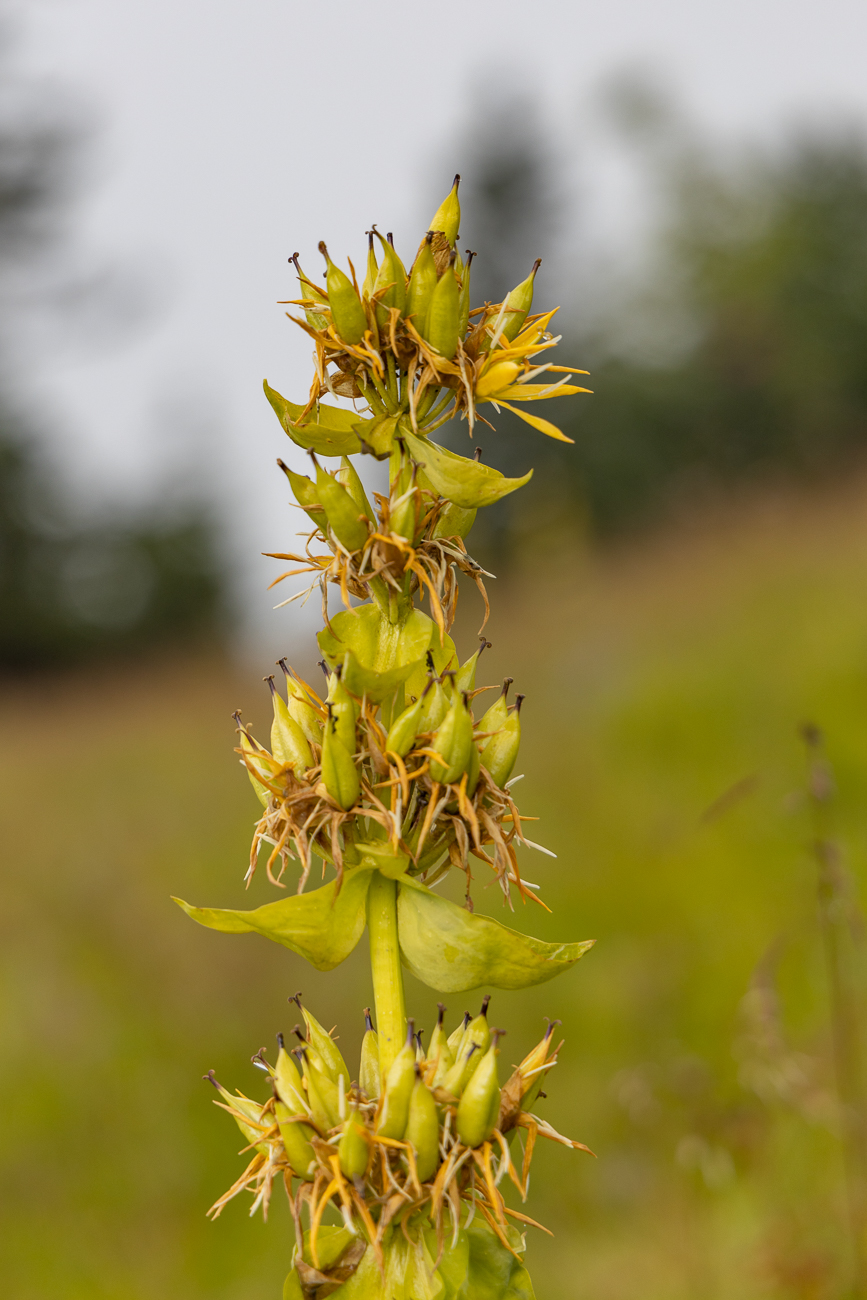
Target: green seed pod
[
  {"x": 310, "y": 291},
  {"x": 368, "y": 1074},
  {"x": 307, "y": 495},
  {"x": 439, "y": 1051},
  {"x": 339, "y": 773},
  {"x": 391, "y": 278},
  {"x": 347, "y": 476},
  {"x": 287, "y": 1081},
  {"x": 462, "y": 1071},
  {"x": 370, "y": 275},
  {"x": 447, "y": 217},
  {"x": 496, "y": 715},
  {"x": 435, "y": 706},
  {"x": 464, "y": 316},
  {"x": 296, "y": 1141},
  {"x": 347, "y": 314},
  {"x": 344, "y": 711},
  {"x": 465, "y": 677},
  {"x": 479, "y": 1101},
  {"x": 443, "y": 319},
  {"x": 343, "y": 513},
  {"x": 403, "y": 517},
  {"x": 353, "y": 1149},
  {"x": 299, "y": 707},
  {"x": 456, "y": 1037},
  {"x": 473, "y": 770},
  {"x": 333, "y": 1064},
  {"x": 288, "y": 742},
  {"x": 249, "y": 1109},
  {"x": 403, "y": 731},
  {"x": 422, "y": 282},
  {"x": 253, "y": 764},
  {"x": 500, "y": 753},
  {"x": 518, "y": 304},
  {"x": 453, "y": 741},
  {"x": 399, "y": 1083},
  {"x": 453, "y": 521},
  {"x": 423, "y": 1130},
  {"x": 478, "y": 1034},
  {"x": 323, "y": 1094}
]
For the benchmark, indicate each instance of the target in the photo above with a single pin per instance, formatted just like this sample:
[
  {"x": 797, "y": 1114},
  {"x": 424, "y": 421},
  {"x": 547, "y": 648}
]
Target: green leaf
[
  {"x": 378, "y": 435},
  {"x": 322, "y": 926},
  {"x": 330, "y": 433},
  {"x": 494, "y": 1273},
  {"x": 376, "y": 655},
  {"x": 453, "y": 950},
  {"x": 466, "y": 482}
]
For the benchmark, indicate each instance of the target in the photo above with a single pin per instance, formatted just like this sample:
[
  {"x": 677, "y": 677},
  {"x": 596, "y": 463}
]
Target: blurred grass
[{"x": 658, "y": 678}]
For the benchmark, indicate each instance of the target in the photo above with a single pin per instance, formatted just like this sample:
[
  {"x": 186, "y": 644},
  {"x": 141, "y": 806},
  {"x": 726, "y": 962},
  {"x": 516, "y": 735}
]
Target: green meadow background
[{"x": 665, "y": 685}]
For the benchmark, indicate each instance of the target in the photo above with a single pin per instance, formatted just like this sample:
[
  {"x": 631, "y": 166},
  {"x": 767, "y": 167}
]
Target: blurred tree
[{"x": 69, "y": 590}]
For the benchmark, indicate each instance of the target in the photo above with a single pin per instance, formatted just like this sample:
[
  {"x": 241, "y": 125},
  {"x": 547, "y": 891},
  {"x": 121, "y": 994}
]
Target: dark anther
[{"x": 478, "y": 455}]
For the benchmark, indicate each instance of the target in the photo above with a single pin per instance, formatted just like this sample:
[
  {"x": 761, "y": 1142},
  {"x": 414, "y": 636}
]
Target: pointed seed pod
[
  {"x": 368, "y": 1074},
  {"x": 299, "y": 707},
  {"x": 390, "y": 286},
  {"x": 464, "y": 313},
  {"x": 312, "y": 292},
  {"x": 454, "y": 521},
  {"x": 342, "y": 512},
  {"x": 518, "y": 304},
  {"x": 456, "y": 1037},
  {"x": 370, "y": 273},
  {"x": 423, "y": 1129},
  {"x": 347, "y": 314},
  {"x": 344, "y": 711},
  {"x": 500, "y": 753},
  {"x": 339, "y": 773},
  {"x": 478, "y": 1035},
  {"x": 288, "y": 742},
  {"x": 480, "y": 1101},
  {"x": 473, "y": 770},
  {"x": 462, "y": 1071},
  {"x": 252, "y": 761},
  {"x": 406, "y": 726},
  {"x": 422, "y": 282},
  {"x": 287, "y": 1081},
  {"x": 465, "y": 677},
  {"x": 499, "y": 710},
  {"x": 435, "y": 705},
  {"x": 439, "y": 1051},
  {"x": 296, "y": 1141},
  {"x": 347, "y": 476},
  {"x": 453, "y": 741},
  {"x": 333, "y": 1064},
  {"x": 307, "y": 495},
  {"x": 353, "y": 1150},
  {"x": 443, "y": 318},
  {"x": 399, "y": 1084},
  {"x": 250, "y": 1122},
  {"x": 447, "y": 217},
  {"x": 323, "y": 1094}
]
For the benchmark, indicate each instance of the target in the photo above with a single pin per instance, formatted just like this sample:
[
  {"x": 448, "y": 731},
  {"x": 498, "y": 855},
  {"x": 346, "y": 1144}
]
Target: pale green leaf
[
  {"x": 453, "y": 950},
  {"x": 376, "y": 656},
  {"x": 327, "y": 430},
  {"x": 466, "y": 482},
  {"x": 322, "y": 926}
]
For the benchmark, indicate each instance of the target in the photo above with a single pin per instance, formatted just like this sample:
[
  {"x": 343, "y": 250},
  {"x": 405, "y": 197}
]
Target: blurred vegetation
[
  {"x": 733, "y": 352},
  {"x": 72, "y": 588},
  {"x": 661, "y": 750}
]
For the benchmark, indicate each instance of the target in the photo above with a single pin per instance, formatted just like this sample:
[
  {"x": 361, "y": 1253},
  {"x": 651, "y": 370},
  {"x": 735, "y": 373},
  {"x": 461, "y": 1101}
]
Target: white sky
[{"x": 233, "y": 132}]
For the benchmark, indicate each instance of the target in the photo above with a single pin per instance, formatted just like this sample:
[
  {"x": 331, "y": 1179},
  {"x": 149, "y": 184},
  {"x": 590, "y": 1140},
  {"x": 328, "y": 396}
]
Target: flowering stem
[{"x": 385, "y": 967}]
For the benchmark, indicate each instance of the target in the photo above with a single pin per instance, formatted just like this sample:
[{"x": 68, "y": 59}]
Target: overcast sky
[{"x": 232, "y": 132}]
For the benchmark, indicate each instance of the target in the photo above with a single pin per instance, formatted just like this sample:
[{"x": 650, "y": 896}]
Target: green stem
[{"x": 385, "y": 967}]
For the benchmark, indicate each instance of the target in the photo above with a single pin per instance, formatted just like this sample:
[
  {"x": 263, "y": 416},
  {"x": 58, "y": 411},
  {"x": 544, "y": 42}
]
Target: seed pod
[
  {"x": 370, "y": 275},
  {"x": 399, "y": 1084},
  {"x": 323, "y": 1094},
  {"x": 296, "y": 1141},
  {"x": 310, "y": 291},
  {"x": 500, "y": 753},
  {"x": 368, "y": 1074},
  {"x": 299, "y": 707},
  {"x": 353, "y": 1149},
  {"x": 462, "y": 1071},
  {"x": 439, "y": 1051},
  {"x": 435, "y": 706},
  {"x": 344, "y": 711},
  {"x": 391, "y": 279},
  {"x": 423, "y": 1129},
  {"x": 443, "y": 319},
  {"x": 479, "y": 1101},
  {"x": 518, "y": 304},
  {"x": 406, "y": 726},
  {"x": 343, "y": 514},
  {"x": 348, "y": 477},
  {"x": 307, "y": 495},
  {"x": 288, "y": 742},
  {"x": 456, "y": 1037},
  {"x": 249, "y": 1117},
  {"x": 325, "y": 1048},
  {"x": 447, "y": 217},
  {"x": 473, "y": 770},
  {"x": 478, "y": 1035},
  {"x": 403, "y": 518},
  {"x": 499, "y": 710},
  {"x": 453, "y": 741},
  {"x": 287, "y": 1081},
  {"x": 347, "y": 314},
  {"x": 453, "y": 521},
  {"x": 339, "y": 773},
  {"x": 465, "y": 677},
  {"x": 422, "y": 282},
  {"x": 532, "y": 1063},
  {"x": 464, "y": 314},
  {"x": 253, "y": 762}
]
